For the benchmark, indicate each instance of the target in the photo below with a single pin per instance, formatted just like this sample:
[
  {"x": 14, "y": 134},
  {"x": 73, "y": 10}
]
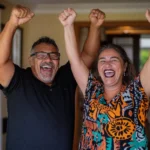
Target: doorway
[
  {"x": 131, "y": 45},
  {"x": 134, "y": 36}
]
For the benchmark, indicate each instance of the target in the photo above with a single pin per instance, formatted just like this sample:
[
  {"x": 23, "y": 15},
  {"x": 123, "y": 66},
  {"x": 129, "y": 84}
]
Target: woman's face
[{"x": 111, "y": 68}]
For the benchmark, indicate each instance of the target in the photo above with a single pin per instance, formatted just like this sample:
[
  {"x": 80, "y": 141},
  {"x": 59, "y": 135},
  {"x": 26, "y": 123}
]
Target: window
[{"x": 144, "y": 49}]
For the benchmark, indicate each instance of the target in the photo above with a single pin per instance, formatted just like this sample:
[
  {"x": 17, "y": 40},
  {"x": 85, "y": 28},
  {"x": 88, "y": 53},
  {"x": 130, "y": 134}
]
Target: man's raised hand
[
  {"x": 97, "y": 17},
  {"x": 20, "y": 15}
]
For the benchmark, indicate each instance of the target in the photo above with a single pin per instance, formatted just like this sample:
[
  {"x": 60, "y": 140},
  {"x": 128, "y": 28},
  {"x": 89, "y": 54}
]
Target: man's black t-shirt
[{"x": 40, "y": 117}]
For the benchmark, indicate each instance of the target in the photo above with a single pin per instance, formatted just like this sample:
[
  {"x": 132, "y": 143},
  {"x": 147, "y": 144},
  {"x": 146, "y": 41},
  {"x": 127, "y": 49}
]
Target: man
[{"x": 41, "y": 98}]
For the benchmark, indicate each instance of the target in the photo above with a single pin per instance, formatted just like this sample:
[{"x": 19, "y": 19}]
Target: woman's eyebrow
[
  {"x": 115, "y": 57},
  {"x": 102, "y": 58},
  {"x": 110, "y": 57}
]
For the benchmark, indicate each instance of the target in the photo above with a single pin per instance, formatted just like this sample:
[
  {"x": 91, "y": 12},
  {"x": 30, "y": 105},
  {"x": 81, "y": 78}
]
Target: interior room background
[{"x": 46, "y": 23}]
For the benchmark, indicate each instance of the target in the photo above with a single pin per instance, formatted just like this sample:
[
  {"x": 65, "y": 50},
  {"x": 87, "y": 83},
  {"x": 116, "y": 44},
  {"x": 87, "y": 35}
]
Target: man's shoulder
[
  {"x": 23, "y": 70},
  {"x": 64, "y": 69},
  {"x": 65, "y": 66},
  {"x": 22, "y": 73},
  {"x": 64, "y": 74}
]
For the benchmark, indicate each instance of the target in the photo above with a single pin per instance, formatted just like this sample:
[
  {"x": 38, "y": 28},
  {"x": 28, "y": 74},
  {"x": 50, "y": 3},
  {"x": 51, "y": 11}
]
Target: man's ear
[{"x": 30, "y": 59}]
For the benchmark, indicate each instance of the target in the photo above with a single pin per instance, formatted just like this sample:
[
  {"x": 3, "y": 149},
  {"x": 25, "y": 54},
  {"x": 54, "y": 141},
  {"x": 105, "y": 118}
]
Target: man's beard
[{"x": 47, "y": 72}]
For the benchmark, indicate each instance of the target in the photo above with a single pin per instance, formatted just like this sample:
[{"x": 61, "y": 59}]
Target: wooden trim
[
  {"x": 126, "y": 23},
  {"x": 127, "y": 32},
  {"x": 115, "y": 23},
  {"x": 78, "y": 26},
  {"x": 117, "y": 27}
]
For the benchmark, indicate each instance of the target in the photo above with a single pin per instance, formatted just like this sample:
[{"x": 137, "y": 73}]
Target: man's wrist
[
  {"x": 95, "y": 27},
  {"x": 11, "y": 25}
]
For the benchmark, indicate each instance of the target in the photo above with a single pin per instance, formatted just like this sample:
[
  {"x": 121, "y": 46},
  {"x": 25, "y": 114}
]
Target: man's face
[{"x": 44, "y": 69}]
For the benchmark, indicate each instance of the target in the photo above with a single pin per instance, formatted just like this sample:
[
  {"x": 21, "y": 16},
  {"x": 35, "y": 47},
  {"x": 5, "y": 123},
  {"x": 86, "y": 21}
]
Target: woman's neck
[{"x": 111, "y": 92}]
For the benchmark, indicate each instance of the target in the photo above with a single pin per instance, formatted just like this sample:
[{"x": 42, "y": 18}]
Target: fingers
[
  {"x": 22, "y": 12},
  {"x": 148, "y": 11},
  {"x": 71, "y": 11},
  {"x": 62, "y": 16},
  {"x": 67, "y": 17},
  {"x": 66, "y": 13},
  {"x": 147, "y": 15},
  {"x": 97, "y": 13}
]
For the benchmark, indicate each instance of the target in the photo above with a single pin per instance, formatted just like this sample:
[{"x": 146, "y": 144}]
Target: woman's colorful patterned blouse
[{"x": 119, "y": 125}]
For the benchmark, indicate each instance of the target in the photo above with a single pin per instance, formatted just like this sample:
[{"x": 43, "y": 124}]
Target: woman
[{"x": 116, "y": 104}]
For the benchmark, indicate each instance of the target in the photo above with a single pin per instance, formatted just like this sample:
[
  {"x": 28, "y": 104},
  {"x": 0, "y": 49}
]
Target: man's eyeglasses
[{"x": 44, "y": 55}]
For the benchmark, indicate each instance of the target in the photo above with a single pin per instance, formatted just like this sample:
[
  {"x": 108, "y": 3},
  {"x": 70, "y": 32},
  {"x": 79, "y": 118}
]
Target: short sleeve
[
  {"x": 14, "y": 83},
  {"x": 93, "y": 89},
  {"x": 140, "y": 97},
  {"x": 138, "y": 81},
  {"x": 138, "y": 85}
]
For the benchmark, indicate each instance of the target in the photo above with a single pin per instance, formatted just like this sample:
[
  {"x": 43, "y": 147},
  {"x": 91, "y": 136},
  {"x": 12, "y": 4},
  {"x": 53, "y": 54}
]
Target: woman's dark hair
[
  {"x": 45, "y": 40},
  {"x": 130, "y": 70}
]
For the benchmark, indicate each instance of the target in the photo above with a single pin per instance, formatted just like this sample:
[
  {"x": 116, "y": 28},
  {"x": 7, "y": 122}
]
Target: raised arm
[
  {"x": 19, "y": 15},
  {"x": 78, "y": 67},
  {"x": 92, "y": 43},
  {"x": 145, "y": 73}
]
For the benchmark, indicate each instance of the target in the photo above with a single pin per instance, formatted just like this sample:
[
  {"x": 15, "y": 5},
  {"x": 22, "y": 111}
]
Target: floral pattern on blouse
[{"x": 118, "y": 125}]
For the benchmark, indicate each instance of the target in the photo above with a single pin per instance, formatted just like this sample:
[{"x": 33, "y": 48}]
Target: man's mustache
[{"x": 49, "y": 64}]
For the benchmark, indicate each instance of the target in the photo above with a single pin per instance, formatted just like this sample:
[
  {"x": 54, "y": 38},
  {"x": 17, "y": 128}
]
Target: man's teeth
[{"x": 46, "y": 67}]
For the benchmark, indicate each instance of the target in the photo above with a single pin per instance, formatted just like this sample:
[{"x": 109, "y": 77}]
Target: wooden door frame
[
  {"x": 136, "y": 47},
  {"x": 117, "y": 28},
  {"x": 114, "y": 27},
  {"x": 140, "y": 27}
]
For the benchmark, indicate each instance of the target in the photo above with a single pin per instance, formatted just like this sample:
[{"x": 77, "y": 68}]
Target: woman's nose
[{"x": 108, "y": 63}]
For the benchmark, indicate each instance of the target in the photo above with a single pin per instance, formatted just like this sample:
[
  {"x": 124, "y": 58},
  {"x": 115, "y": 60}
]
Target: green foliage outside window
[{"x": 144, "y": 54}]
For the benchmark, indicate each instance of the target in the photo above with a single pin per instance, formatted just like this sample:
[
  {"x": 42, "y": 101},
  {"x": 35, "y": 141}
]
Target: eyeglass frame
[{"x": 48, "y": 54}]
